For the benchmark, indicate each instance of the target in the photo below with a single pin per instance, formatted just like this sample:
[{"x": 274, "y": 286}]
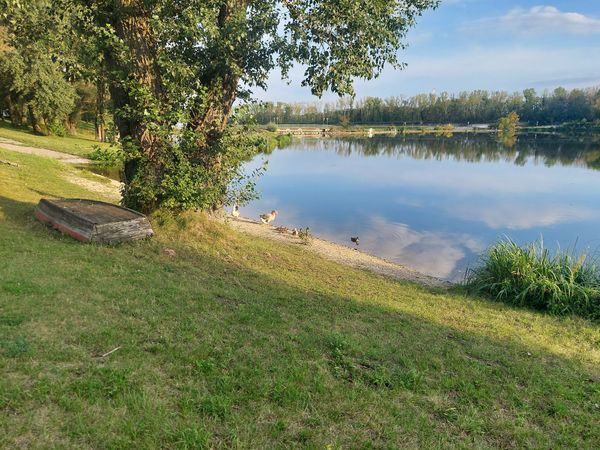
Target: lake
[{"x": 435, "y": 203}]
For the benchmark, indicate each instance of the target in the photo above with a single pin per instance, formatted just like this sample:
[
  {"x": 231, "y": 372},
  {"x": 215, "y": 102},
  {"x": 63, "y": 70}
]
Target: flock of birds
[{"x": 267, "y": 218}]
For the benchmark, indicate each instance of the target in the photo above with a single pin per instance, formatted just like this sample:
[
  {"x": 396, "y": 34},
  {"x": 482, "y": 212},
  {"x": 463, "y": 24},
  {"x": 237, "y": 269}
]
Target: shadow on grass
[{"x": 225, "y": 345}]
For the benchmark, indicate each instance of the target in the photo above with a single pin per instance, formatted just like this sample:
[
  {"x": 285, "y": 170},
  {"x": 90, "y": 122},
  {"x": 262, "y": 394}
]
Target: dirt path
[
  {"x": 341, "y": 254},
  {"x": 105, "y": 186},
  {"x": 16, "y": 146}
]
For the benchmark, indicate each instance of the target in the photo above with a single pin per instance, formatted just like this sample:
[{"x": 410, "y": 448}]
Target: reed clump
[{"x": 560, "y": 282}]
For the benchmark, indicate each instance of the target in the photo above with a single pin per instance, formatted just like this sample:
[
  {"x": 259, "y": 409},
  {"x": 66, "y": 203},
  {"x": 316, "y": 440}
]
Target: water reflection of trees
[{"x": 545, "y": 149}]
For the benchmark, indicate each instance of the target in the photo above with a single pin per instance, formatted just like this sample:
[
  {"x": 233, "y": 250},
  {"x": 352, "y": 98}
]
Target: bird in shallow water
[
  {"x": 235, "y": 212},
  {"x": 268, "y": 217},
  {"x": 354, "y": 239}
]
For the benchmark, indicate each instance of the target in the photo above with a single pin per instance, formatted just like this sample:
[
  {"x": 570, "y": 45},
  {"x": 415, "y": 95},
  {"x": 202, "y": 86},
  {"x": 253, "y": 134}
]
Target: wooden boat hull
[{"x": 93, "y": 221}]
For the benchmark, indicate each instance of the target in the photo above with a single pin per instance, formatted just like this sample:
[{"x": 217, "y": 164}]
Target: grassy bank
[
  {"x": 81, "y": 145},
  {"x": 241, "y": 342}
]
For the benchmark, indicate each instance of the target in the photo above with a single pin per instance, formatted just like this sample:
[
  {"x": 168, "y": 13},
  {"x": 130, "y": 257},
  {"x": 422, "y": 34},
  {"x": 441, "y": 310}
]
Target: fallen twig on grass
[{"x": 112, "y": 351}]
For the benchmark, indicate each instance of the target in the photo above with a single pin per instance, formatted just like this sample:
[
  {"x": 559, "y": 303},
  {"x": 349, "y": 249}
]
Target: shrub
[
  {"x": 561, "y": 283},
  {"x": 271, "y": 127},
  {"x": 57, "y": 129},
  {"x": 112, "y": 155}
]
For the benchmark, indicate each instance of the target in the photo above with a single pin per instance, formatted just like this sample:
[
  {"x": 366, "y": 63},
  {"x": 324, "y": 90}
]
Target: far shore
[{"x": 324, "y": 130}]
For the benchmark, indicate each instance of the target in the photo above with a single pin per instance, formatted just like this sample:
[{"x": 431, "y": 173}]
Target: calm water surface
[{"x": 435, "y": 203}]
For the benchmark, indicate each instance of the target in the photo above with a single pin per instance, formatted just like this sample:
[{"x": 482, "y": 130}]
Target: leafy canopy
[{"x": 176, "y": 68}]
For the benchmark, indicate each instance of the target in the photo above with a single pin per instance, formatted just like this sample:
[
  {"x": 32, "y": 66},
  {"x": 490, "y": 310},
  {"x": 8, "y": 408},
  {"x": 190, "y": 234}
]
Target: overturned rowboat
[{"x": 93, "y": 221}]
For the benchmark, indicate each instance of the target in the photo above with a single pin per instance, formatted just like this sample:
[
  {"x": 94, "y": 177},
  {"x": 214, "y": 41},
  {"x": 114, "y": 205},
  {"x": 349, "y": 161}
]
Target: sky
[{"x": 484, "y": 44}]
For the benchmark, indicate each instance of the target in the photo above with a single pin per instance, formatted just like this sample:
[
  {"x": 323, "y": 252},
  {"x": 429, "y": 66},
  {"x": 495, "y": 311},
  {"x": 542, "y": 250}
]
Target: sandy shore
[{"x": 339, "y": 253}]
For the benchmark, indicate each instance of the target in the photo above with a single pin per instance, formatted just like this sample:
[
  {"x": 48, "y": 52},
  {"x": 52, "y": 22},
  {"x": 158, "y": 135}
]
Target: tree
[
  {"x": 507, "y": 129},
  {"x": 33, "y": 64},
  {"x": 35, "y": 88},
  {"x": 175, "y": 63},
  {"x": 596, "y": 105}
]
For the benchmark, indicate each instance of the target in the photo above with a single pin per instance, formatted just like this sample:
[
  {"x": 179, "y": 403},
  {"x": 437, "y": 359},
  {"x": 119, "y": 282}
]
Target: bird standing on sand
[
  {"x": 354, "y": 239},
  {"x": 236, "y": 210},
  {"x": 268, "y": 217}
]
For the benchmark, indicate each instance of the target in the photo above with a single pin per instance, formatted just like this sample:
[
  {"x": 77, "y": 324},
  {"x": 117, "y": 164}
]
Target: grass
[
  {"x": 244, "y": 343},
  {"x": 561, "y": 282},
  {"x": 81, "y": 145}
]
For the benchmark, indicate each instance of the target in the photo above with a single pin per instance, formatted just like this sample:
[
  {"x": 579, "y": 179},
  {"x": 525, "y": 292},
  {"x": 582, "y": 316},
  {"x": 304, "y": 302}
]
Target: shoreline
[{"x": 338, "y": 253}]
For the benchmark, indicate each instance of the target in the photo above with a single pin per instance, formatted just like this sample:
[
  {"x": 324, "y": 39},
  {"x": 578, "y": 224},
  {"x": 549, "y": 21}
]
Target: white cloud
[
  {"x": 430, "y": 252},
  {"x": 524, "y": 215},
  {"x": 510, "y": 67},
  {"x": 539, "y": 19}
]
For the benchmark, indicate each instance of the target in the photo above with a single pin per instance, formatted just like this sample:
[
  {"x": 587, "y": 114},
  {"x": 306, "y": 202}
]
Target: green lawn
[
  {"x": 240, "y": 342},
  {"x": 80, "y": 145}
]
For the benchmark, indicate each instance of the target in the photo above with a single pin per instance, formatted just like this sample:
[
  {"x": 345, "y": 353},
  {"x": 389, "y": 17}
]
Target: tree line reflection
[{"x": 549, "y": 150}]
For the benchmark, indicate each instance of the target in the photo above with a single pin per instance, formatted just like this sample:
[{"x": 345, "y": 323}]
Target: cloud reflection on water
[{"x": 434, "y": 204}]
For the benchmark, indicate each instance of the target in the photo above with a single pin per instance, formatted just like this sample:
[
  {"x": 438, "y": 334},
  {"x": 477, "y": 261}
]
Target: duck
[
  {"x": 268, "y": 217},
  {"x": 282, "y": 230},
  {"x": 236, "y": 210},
  {"x": 354, "y": 239},
  {"x": 304, "y": 234}
]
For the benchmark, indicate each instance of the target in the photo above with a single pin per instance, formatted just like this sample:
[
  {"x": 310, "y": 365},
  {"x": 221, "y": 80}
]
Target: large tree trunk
[
  {"x": 16, "y": 111},
  {"x": 34, "y": 121},
  {"x": 209, "y": 118},
  {"x": 71, "y": 124},
  {"x": 212, "y": 120},
  {"x": 132, "y": 25},
  {"x": 99, "y": 119}
]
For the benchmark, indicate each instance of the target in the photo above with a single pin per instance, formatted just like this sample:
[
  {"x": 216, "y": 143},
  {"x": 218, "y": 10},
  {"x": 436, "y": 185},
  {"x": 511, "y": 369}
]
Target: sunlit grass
[
  {"x": 239, "y": 342},
  {"x": 81, "y": 144}
]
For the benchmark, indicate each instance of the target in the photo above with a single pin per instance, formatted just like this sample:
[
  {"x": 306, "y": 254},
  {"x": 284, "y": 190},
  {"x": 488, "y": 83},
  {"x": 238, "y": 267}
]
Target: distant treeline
[{"x": 555, "y": 107}]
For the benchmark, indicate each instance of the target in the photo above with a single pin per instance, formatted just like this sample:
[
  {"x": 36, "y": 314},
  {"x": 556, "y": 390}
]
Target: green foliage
[
  {"x": 345, "y": 122},
  {"x": 446, "y": 130},
  {"x": 507, "y": 129},
  {"x": 273, "y": 141},
  {"x": 508, "y": 124},
  {"x": 110, "y": 155},
  {"x": 198, "y": 57},
  {"x": 596, "y": 106},
  {"x": 271, "y": 127},
  {"x": 57, "y": 129},
  {"x": 33, "y": 66},
  {"x": 531, "y": 276},
  {"x": 187, "y": 184},
  {"x": 37, "y": 84},
  {"x": 466, "y": 107}
]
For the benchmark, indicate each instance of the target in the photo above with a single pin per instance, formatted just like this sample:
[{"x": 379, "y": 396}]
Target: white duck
[{"x": 235, "y": 212}]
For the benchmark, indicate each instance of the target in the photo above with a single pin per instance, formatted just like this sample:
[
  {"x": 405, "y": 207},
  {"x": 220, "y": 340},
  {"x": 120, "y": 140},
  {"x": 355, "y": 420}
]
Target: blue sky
[{"x": 485, "y": 44}]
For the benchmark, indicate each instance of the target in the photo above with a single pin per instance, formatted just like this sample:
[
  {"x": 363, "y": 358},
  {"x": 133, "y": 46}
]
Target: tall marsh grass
[{"x": 558, "y": 282}]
